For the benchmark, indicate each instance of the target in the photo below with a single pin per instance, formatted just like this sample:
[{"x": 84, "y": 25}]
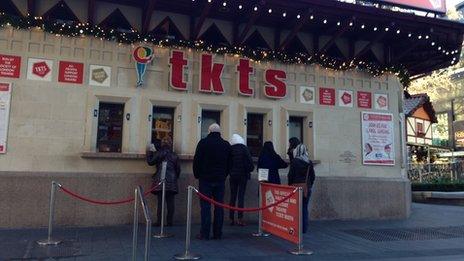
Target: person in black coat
[
  {"x": 210, "y": 167},
  {"x": 301, "y": 171},
  {"x": 269, "y": 159},
  {"x": 241, "y": 164},
  {"x": 154, "y": 157}
]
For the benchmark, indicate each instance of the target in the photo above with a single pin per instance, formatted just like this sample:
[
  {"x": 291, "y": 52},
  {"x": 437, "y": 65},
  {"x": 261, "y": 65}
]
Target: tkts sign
[{"x": 210, "y": 76}]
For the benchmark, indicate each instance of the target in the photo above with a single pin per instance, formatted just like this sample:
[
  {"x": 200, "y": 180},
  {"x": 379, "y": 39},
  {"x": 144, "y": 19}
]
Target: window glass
[
  {"x": 110, "y": 122},
  {"x": 208, "y": 118},
  {"x": 255, "y": 132},
  {"x": 295, "y": 128},
  {"x": 440, "y": 130},
  {"x": 163, "y": 125}
]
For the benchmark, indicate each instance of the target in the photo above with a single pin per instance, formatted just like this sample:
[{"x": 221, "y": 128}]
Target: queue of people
[{"x": 215, "y": 159}]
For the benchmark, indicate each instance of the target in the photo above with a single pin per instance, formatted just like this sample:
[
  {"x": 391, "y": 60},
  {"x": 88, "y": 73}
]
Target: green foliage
[{"x": 439, "y": 184}]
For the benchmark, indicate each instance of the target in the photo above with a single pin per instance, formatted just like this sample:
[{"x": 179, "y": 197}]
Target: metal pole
[
  {"x": 49, "y": 240},
  {"x": 300, "y": 250},
  {"x": 135, "y": 226},
  {"x": 187, "y": 255},
  {"x": 260, "y": 217},
  {"x": 163, "y": 206}
]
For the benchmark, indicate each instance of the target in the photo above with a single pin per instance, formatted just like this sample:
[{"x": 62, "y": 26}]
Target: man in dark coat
[
  {"x": 154, "y": 157},
  {"x": 210, "y": 167}
]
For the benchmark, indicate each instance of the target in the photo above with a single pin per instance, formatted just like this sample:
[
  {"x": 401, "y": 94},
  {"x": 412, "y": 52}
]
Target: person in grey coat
[{"x": 156, "y": 157}]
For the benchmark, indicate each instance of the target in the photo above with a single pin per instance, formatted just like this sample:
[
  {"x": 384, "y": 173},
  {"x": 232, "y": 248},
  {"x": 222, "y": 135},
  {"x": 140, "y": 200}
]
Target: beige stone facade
[{"x": 52, "y": 132}]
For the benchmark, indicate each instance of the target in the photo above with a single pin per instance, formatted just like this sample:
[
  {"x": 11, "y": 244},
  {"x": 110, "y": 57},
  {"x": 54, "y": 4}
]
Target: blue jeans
[
  {"x": 214, "y": 190},
  {"x": 305, "y": 211}
]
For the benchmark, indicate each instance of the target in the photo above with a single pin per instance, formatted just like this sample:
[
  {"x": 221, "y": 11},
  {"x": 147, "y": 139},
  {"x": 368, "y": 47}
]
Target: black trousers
[
  {"x": 214, "y": 190},
  {"x": 237, "y": 189},
  {"x": 170, "y": 195}
]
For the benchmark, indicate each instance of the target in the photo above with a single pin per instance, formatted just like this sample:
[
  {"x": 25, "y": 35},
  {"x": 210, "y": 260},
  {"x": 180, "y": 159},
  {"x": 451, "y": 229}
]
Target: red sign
[
  {"x": 40, "y": 69},
  {"x": 283, "y": 219},
  {"x": 10, "y": 66},
  {"x": 438, "y": 6},
  {"x": 326, "y": 96},
  {"x": 71, "y": 72},
  {"x": 346, "y": 98},
  {"x": 365, "y": 100}
]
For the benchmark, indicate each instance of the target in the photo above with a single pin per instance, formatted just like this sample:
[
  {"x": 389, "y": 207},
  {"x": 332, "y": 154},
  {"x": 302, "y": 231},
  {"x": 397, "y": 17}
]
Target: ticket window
[
  {"x": 295, "y": 128},
  {"x": 255, "y": 133},
  {"x": 110, "y": 127},
  {"x": 162, "y": 125},
  {"x": 209, "y": 117}
]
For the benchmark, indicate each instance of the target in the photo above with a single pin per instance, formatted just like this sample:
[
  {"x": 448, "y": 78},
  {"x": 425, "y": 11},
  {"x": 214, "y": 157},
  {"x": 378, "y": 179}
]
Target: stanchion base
[
  {"x": 187, "y": 256},
  {"x": 164, "y": 235},
  {"x": 48, "y": 242},
  {"x": 260, "y": 234},
  {"x": 300, "y": 252}
]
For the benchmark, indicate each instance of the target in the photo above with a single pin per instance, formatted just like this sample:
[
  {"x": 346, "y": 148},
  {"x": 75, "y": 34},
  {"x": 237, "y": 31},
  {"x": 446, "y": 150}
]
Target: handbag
[{"x": 304, "y": 185}]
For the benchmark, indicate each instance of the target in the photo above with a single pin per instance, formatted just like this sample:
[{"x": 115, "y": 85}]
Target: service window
[
  {"x": 208, "y": 118},
  {"x": 110, "y": 122},
  {"x": 163, "y": 125},
  {"x": 295, "y": 128},
  {"x": 255, "y": 133}
]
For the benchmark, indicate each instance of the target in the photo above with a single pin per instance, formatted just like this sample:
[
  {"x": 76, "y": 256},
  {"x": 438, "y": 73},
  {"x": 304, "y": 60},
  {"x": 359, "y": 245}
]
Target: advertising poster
[
  {"x": 71, "y": 72},
  {"x": 100, "y": 75},
  {"x": 345, "y": 98},
  {"x": 365, "y": 100},
  {"x": 327, "y": 96},
  {"x": 39, "y": 69},
  {"x": 5, "y": 97},
  {"x": 307, "y": 95},
  {"x": 377, "y": 138},
  {"x": 458, "y": 128},
  {"x": 381, "y": 101},
  {"x": 283, "y": 219},
  {"x": 438, "y": 6},
  {"x": 10, "y": 66}
]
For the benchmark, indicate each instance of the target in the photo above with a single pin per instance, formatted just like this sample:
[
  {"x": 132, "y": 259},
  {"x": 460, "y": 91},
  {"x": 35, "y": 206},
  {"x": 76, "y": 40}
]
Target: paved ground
[{"x": 433, "y": 232}]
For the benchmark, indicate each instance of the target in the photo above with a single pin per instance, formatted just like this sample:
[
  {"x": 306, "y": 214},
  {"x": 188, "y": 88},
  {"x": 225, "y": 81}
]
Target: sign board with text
[
  {"x": 100, "y": 75},
  {"x": 5, "y": 98},
  {"x": 39, "y": 69},
  {"x": 436, "y": 6},
  {"x": 327, "y": 96},
  {"x": 10, "y": 66},
  {"x": 378, "y": 145},
  {"x": 364, "y": 100},
  {"x": 283, "y": 219},
  {"x": 71, "y": 72}
]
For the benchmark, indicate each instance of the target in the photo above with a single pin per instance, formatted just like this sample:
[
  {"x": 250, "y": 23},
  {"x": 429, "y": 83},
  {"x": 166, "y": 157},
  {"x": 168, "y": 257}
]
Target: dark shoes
[
  {"x": 241, "y": 223},
  {"x": 200, "y": 237}
]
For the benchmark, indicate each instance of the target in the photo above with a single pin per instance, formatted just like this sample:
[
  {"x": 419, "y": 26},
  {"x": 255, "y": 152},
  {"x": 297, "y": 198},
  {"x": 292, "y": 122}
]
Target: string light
[{"x": 133, "y": 36}]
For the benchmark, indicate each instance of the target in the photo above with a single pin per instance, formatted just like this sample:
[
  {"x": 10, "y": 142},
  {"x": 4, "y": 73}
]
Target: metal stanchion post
[
  {"x": 146, "y": 212},
  {"x": 300, "y": 250},
  {"x": 49, "y": 240},
  {"x": 135, "y": 226},
  {"x": 163, "y": 207},
  {"x": 260, "y": 232},
  {"x": 187, "y": 255}
]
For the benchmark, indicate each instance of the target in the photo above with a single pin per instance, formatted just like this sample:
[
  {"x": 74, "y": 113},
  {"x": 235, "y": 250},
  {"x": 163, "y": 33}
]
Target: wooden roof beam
[
  {"x": 300, "y": 23},
  {"x": 337, "y": 35},
  {"x": 405, "y": 52},
  {"x": 146, "y": 16},
  {"x": 31, "y": 7},
  {"x": 201, "y": 21},
  {"x": 370, "y": 44},
  {"x": 254, "y": 17},
  {"x": 91, "y": 12}
]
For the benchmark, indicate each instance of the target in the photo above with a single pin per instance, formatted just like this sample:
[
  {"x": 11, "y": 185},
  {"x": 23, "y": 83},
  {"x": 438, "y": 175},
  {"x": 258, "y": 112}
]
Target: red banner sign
[
  {"x": 71, "y": 72},
  {"x": 283, "y": 219},
  {"x": 438, "y": 6},
  {"x": 365, "y": 100},
  {"x": 10, "y": 66},
  {"x": 327, "y": 96}
]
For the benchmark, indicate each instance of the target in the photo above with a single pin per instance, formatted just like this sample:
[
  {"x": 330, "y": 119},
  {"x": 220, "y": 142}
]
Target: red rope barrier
[
  {"x": 100, "y": 202},
  {"x": 212, "y": 201}
]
